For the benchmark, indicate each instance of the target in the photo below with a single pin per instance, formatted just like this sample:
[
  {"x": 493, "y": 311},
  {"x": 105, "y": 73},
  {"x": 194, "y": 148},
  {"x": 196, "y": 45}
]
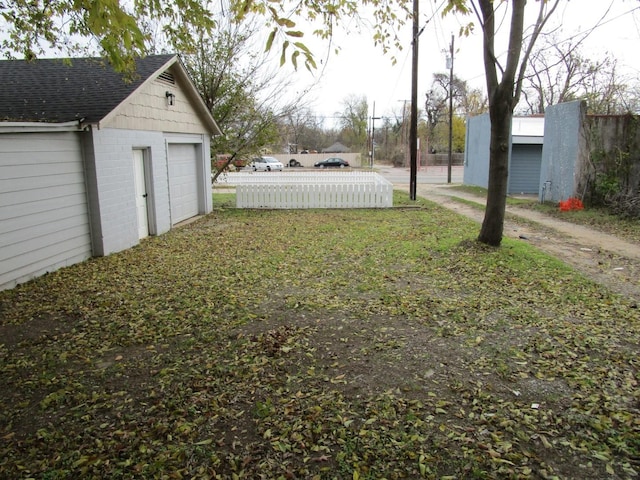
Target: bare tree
[
  {"x": 302, "y": 130},
  {"x": 466, "y": 102},
  {"x": 608, "y": 93},
  {"x": 558, "y": 72},
  {"x": 353, "y": 121},
  {"x": 242, "y": 89},
  {"x": 504, "y": 85}
]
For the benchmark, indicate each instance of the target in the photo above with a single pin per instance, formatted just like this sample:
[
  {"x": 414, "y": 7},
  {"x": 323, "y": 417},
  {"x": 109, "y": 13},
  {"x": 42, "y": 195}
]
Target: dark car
[{"x": 331, "y": 162}]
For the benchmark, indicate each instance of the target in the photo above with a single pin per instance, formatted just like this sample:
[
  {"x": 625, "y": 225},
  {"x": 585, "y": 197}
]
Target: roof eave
[{"x": 32, "y": 127}]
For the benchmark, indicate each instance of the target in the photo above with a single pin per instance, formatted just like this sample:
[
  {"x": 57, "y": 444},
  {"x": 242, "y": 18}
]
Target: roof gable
[{"x": 86, "y": 90}]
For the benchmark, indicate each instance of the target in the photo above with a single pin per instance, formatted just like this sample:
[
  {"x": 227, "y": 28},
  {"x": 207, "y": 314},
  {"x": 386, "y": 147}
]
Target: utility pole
[
  {"x": 404, "y": 134},
  {"x": 373, "y": 135},
  {"x": 450, "y": 112},
  {"x": 413, "y": 127}
]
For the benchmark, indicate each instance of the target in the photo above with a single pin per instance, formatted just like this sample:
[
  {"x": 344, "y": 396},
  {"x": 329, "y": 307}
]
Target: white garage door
[
  {"x": 183, "y": 182},
  {"x": 44, "y": 220}
]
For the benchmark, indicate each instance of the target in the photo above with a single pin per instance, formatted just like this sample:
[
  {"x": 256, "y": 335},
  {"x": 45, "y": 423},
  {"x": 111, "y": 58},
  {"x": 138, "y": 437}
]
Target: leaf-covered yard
[{"x": 342, "y": 344}]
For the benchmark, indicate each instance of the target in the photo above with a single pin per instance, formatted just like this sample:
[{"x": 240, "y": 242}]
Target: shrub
[{"x": 625, "y": 204}]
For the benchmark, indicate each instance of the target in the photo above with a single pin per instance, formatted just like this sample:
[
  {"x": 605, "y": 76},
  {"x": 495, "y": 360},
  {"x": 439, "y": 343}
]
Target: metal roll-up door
[{"x": 524, "y": 172}]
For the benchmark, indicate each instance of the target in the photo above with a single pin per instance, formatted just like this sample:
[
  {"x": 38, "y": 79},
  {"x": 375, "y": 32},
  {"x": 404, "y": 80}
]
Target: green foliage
[
  {"x": 283, "y": 20},
  {"x": 606, "y": 184},
  {"x": 440, "y": 138},
  {"x": 123, "y": 31},
  {"x": 118, "y": 30},
  {"x": 456, "y": 6}
]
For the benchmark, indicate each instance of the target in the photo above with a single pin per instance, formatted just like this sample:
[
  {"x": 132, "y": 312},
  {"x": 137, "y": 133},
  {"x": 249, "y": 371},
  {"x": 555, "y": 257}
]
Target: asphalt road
[{"x": 433, "y": 174}]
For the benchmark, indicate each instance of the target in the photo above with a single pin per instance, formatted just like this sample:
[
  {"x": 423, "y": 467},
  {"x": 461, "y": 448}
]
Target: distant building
[{"x": 336, "y": 148}]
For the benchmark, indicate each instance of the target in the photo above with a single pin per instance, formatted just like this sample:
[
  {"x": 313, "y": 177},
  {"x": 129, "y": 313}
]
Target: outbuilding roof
[{"x": 77, "y": 89}]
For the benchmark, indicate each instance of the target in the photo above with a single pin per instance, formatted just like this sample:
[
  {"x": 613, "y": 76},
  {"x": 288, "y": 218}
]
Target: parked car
[
  {"x": 331, "y": 162},
  {"x": 265, "y": 164}
]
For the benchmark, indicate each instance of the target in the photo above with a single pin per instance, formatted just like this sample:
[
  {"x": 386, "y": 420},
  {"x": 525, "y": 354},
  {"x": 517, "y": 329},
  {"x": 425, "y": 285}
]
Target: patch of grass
[
  {"x": 482, "y": 192},
  {"x": 321, "y": 344},
  {"x": 224, "y": 200},
  {"x": 598, "y": 218},
  {"x": 468, "y": 202},
  {"x": 401, "y": 198},
  {"x": 471, "y": 189}
]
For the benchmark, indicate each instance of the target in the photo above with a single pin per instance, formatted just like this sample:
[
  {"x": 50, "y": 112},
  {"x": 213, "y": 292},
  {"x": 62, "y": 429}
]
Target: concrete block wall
[{"x": 115, "y": 226}]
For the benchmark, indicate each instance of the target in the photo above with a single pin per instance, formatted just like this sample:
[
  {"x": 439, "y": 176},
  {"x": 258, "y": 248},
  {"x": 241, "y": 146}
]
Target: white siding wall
[{"x": 44, "y": 224}]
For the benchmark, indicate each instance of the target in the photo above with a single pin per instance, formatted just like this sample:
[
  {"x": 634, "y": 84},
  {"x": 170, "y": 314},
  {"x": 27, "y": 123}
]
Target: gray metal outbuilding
[{"x": 525, "y": 153}]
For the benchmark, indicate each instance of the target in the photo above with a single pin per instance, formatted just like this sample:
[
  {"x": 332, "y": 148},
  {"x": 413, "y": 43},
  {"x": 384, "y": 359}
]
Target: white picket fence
[{"x": 290, "y": 190}]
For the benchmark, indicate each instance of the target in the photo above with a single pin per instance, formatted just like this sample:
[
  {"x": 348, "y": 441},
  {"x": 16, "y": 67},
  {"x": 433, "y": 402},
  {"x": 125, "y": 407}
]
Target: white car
[{"x": 266, "y": 164}]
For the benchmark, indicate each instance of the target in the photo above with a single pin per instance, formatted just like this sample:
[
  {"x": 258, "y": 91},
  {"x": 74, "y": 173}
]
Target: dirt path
[{"x": 606, "y": 259}]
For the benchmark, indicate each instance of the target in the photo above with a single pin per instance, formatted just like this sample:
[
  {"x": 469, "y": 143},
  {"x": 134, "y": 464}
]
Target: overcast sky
[{"x": 362, "y": 69}]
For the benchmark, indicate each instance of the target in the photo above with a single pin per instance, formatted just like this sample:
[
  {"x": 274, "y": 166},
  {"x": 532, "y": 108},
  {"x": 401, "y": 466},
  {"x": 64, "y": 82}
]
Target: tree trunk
[
  {"x": 501, "y": 114},
  {"x": 502, "y": 94}
]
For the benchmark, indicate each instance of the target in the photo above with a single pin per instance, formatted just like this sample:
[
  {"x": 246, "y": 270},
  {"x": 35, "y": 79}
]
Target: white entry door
[{"x": 141, "y": 194}]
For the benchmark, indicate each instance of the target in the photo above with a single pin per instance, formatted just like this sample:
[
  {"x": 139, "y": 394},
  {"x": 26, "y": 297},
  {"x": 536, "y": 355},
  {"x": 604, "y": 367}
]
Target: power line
[
  {"x": 398, "y": 77},
  {"x": 600, "y": 23}
]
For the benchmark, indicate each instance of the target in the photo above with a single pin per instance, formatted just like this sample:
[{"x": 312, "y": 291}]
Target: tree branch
[{"x": 540, "y": 23}]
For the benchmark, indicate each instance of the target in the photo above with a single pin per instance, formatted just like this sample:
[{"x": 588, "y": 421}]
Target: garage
[
  {"x": 44, "y": 219},
  {"x": 524, "y": 171},
  {"x": 183, "y": 186},
  {"x": 84, "y": 173}
]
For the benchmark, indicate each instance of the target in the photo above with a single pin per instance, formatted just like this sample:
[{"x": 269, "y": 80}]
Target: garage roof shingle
[{"x": 65, "y": 90}]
